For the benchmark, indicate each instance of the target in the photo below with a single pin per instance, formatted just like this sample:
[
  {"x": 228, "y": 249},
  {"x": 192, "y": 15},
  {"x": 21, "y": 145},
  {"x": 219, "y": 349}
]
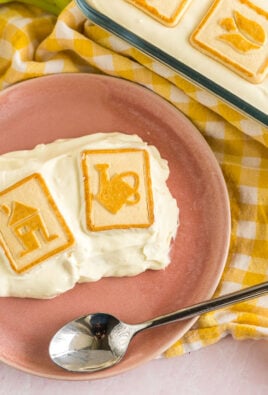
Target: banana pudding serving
[{"x": 81, "y": 209}]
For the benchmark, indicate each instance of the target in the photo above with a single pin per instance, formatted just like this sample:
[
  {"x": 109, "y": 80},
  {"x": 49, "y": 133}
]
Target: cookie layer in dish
[
  {"x": 167, "y": 12},
  {"x": 81, "y": 209},
  {"x": 226, "y": 82},
  {"x": 235, "y": 32}
]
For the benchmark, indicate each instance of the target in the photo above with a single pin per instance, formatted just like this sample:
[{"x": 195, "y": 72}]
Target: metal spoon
[{"x": 98, "y": 341}]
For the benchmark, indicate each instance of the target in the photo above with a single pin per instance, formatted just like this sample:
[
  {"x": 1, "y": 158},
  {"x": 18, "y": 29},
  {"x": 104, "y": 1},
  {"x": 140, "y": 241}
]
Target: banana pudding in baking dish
[{"x": 221, "y": 45}]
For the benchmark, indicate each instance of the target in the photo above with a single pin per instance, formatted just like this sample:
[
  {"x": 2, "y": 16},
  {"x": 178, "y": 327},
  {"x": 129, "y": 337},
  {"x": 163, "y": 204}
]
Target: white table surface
[{"x": 226, "y": 368}]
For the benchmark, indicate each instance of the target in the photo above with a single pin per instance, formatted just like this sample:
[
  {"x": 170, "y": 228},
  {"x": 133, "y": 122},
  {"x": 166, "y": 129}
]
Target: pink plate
[{"x": 71, "y": 105}]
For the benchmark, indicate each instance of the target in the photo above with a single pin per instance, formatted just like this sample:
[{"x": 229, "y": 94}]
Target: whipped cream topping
[{"x": 117, "y": 252}]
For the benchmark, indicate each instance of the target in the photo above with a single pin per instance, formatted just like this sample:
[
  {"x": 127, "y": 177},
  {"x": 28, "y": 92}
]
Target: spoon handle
[{"x": 209, "y": 305}]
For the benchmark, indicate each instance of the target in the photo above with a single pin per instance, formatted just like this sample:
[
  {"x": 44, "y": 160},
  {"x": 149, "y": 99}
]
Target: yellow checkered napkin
[{"x": 34, "y": 43}]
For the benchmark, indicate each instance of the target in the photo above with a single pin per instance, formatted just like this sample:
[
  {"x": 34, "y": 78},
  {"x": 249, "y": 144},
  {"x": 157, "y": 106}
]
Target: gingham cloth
[{"x": 34, "y": 43}]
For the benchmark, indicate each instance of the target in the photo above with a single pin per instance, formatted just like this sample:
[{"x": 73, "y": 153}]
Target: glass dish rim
[{"x": 179, "y": 67}]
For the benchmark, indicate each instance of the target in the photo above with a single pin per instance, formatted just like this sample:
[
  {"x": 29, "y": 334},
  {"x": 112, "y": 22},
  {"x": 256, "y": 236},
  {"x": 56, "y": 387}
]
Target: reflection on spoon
[{"x": 98, "y": 341}]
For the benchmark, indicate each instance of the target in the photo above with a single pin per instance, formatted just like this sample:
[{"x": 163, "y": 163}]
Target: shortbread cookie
[
  {"x": 108, "y": 190},
  {"x": 118, "y": 190},
  {"x": 167, "y": 12},
  {"x": 31, "y": 226},
  {"x": 235, "y": 32}
]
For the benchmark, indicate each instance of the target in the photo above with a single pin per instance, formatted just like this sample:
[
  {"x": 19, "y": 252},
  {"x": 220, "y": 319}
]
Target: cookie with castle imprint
[{"x": 235, "y": 33}]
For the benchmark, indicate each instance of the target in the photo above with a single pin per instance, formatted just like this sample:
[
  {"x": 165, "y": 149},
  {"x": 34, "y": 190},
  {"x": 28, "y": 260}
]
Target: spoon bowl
[
  {"x": 98, "y": 341},
  {"x": 84, "y": 344}
]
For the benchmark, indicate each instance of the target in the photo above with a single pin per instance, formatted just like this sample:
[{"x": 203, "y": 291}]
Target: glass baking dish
[{"x": 171, "y": 46}]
